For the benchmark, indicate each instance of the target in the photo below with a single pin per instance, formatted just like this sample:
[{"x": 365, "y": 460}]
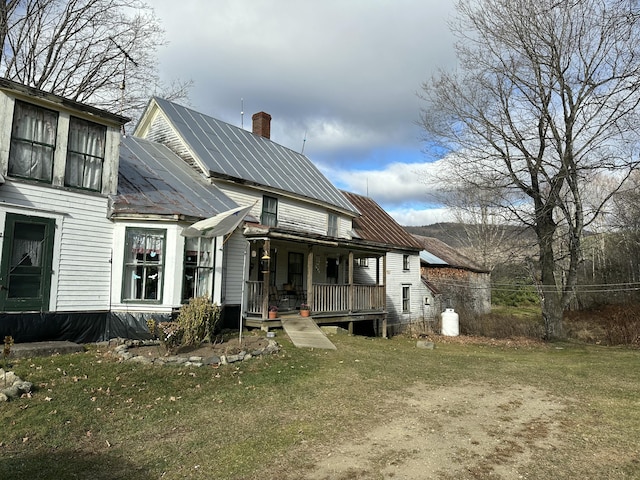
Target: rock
[
  {"x": 175, "y": 359},
  {"x": 23, "y": 386},
  {"x": 211, "y": 360},
  {"x": 8, "y": 378},
  {"x": 425, "y": 344},
  {"x": 233, "y": 358},
  {"x": 11, "y": 392},
  {"x": 195, "y": 359},
  {"x": 141, "y": 359}
]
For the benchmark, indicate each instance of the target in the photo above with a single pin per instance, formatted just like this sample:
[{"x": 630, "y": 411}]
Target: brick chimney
[{"x": 262, "y": 124}]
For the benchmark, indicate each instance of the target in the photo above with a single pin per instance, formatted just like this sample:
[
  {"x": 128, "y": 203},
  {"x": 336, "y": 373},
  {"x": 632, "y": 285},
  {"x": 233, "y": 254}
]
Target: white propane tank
[{"x": 450, "y": 324}]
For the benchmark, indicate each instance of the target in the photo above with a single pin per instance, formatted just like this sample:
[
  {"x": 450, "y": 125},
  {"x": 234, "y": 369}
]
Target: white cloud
[
  {"x": 428, "y": 216},
  {"x": 394, "y": 184}
]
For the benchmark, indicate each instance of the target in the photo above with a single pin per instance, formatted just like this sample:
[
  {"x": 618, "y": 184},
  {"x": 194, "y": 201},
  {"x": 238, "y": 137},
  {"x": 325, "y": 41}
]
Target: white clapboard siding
[
  {"x": 234, "y": 251},
  {"x": 397, "y": 278},
  {"x": 161, "y": 131},
  {"x": 82, "y": 247},
  {"x": 293, "y": 214}
]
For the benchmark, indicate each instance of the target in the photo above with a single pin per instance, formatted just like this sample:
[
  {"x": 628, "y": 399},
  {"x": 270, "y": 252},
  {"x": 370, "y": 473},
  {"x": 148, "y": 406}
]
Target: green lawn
[{"x": 93, "y": 417}]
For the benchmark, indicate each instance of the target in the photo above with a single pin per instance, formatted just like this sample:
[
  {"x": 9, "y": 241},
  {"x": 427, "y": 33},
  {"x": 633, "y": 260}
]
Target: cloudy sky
[{"x": 340, "y": 79}]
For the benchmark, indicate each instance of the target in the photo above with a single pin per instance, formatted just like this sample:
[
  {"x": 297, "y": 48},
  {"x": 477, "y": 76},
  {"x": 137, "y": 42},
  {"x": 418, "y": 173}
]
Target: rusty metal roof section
[
  {"x": 234, "y": 154},
  {"x": 376, "y": 225},
  {"x": 439, "y": 254},
  {"x": 152, "y": 180}
]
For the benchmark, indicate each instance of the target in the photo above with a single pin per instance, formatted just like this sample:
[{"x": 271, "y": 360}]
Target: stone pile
[
  {"x": 122, "y": 351},
  {"x": 12, "y": 386}
]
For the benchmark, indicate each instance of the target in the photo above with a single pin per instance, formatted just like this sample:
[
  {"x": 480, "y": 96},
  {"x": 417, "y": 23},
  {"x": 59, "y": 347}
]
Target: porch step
[{"x": 304, "y": 332}]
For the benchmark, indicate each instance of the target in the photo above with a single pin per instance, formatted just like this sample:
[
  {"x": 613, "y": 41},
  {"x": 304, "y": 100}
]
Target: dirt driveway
[{"x": 466, "y": 431}]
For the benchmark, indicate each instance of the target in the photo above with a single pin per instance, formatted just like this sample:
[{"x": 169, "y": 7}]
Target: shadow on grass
[{"x": 70, "y": 464}]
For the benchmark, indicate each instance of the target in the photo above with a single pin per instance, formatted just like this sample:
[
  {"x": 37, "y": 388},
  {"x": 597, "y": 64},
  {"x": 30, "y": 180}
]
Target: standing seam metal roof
[
  {"x": 152, "y": 180},
  {"x": 376, "y": 225},
  {"x": 234, "y": 152}
]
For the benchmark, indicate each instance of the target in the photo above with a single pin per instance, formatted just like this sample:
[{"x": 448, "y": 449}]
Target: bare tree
[
  {"x": 101, "y": 52},
  {"x": 485, "y": 235},
  {"x": 544, "y": 100}
]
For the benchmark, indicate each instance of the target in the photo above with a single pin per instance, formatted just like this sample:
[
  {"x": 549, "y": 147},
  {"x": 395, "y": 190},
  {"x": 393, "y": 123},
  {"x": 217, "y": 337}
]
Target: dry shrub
[
  {"x": 495, "y": 325},
  {"x": 607, "y": 324},
  {"x": 170, "y": 335},
  {"x": 198, "y": 320}
]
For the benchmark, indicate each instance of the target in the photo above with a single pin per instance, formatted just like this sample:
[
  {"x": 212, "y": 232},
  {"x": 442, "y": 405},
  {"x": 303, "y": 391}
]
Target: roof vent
[{"x": 262, "y": 124}]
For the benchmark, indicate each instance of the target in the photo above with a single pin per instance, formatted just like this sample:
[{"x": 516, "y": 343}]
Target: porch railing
[
  {"x": 255, "y": 291},
  {"x": 328, "y": 298}
]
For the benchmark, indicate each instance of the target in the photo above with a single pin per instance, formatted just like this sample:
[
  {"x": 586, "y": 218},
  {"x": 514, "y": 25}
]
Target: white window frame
[
  {"x": 332, "y": 225},
  {"x": 34, "y": 133},
  {"x": 269, "y": 215},
  {"x": 143, "y": 269},
  {"x": 85, "y": 154},
  {"x": 406, "y": 298},
  {"x": 199, "y": 267}
]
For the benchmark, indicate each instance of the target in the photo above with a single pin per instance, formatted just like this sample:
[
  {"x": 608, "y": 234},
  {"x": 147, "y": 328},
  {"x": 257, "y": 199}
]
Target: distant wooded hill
[{"x": 455, "y": 234}]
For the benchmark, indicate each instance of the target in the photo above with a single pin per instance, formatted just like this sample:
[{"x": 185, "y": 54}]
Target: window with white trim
[
  {"x": 85, "y": 154},
  {"x": 332, "y": 225},
  {"x": 405, "y": 262},
  {"x": 33, "y": 142},
  {"x": 143, "y": 264},
  {"x": 198, "y": 268},
  {"x": 406, "y": 298},
  {"x": 269, "y": 211},
  {"x": 362, "y": 262}
]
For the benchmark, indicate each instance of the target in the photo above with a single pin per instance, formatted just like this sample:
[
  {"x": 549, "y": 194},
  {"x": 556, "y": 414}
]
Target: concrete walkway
[
  {"x": 43, "y": 349},
  {"x": 304, "y": 333}
]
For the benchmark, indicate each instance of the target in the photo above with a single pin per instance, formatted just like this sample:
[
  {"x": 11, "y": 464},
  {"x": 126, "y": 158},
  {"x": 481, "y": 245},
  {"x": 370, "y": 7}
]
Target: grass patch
[{"x": 93, "y": 417}]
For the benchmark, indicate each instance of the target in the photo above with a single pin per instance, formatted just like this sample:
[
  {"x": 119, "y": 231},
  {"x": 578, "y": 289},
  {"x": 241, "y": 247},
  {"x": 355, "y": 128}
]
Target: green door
[{"x": 25, "y": 273}]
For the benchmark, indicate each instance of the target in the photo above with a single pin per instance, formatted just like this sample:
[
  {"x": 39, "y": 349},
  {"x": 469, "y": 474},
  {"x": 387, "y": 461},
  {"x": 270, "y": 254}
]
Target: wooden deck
[{"x": 304, "y": 333}]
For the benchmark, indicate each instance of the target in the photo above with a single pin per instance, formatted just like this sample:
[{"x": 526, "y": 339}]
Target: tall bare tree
[
  {"x": 544, "y": 100},
  {"x": 484, "y": 234},
  {"x": 101, "y": 52}
]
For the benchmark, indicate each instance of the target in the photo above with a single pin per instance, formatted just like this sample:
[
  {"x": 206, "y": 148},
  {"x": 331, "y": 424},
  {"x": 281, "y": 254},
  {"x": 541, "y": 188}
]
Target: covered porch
[{"x": 287, "y": 271}]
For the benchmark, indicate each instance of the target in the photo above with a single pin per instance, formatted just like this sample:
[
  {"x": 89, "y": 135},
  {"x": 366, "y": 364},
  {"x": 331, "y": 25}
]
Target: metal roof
[
  {"x": 152, "y": 180},
  {"x": 233, "y": 152},
  {"x": 439, "y": 253},
  {"x": 431, "y": 258},
  {"x": 376, "y": 225}
]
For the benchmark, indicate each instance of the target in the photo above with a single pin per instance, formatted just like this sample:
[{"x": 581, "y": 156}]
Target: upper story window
[
  {"x": 269, "y": 211},
  {"x": 33, "y": 142},
  {"x": 85, "y": 154},
  {"x": 332, "y": 225},
  {"x": 362, "y": 262},
  {"x": 405, "y": 262}
]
